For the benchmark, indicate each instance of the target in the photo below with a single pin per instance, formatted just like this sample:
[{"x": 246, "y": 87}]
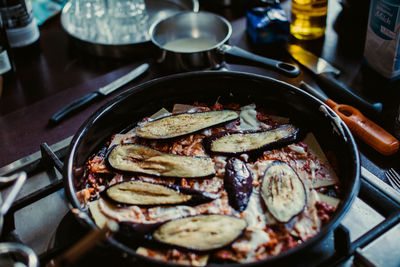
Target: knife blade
[
  {"x": 365, "y": 129},
  {"x": 325, "y": 75},
  {"x": 101, "y": 92}
]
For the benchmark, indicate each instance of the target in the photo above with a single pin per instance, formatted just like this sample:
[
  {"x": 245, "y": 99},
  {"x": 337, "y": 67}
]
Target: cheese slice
[
  {"x": 315, "y": 149},
  {"x": 99, "y": 218}
]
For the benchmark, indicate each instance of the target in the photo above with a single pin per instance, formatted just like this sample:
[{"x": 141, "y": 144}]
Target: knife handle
[
  {"x": 329, "y": 83},
  {"x": 365, "y": 129},
  {"x": 73, "y": 106}
]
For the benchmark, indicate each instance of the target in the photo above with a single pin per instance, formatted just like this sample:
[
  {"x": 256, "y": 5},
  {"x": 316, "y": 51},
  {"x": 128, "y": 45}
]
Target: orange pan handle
[{"x": 365, "y": 129}]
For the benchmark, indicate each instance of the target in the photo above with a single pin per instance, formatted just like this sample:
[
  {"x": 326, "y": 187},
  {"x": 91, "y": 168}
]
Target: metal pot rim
[
  {"x": 156, "y": 24},
  {"x": 334, "y": 222}
]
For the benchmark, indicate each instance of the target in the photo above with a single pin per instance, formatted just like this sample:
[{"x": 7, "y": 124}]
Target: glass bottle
[
  {"x": 7, "y": 67},
  {"x": 19, "y": 22},
  {"x": 308, "y": 18}
]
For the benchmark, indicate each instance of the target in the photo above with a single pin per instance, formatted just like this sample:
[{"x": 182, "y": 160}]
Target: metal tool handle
[
  {"x": 232, "y": 53},
  {"x": 365, "y": 129},
  {"x": 342, "y": 92},
  {"x": 19, "y": 179},
  {"x": 93, "y": 238},
  {"x": 72, "y": 107},
  {"x": 30, "y": 258}
]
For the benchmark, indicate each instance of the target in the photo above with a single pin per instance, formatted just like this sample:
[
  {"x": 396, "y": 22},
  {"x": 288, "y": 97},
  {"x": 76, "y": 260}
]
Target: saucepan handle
[{"x": 233, "y": 53}]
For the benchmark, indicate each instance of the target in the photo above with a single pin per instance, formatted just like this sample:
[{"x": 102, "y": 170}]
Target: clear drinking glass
[
  {"x": 129, "y": 20},
  {"x": 84, "y": 17},
  {"x": 108, "y": 21}
]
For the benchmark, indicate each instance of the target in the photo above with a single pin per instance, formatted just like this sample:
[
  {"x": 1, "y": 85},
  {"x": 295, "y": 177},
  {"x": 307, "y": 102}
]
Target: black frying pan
[{"x": 207, "y": 86}]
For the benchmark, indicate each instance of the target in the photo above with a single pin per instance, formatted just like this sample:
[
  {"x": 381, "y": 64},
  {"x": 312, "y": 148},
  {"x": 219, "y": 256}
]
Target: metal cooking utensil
[
  {"x": 192, "y": 41},
  {"x": 381, "y": 185},
  {"x": 101, "y": 92},
  {"x": 27, "y": 253},
  {"x": 365, "y": 129},
  {"x": 325, "y": 75},
  {"x": 394, "y": 178},
  {"x": 19, "y": 179}
]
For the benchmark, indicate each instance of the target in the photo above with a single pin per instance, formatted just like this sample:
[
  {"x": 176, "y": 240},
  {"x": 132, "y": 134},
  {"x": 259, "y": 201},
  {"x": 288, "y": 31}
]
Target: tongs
[{"x": 18, "y": 179}]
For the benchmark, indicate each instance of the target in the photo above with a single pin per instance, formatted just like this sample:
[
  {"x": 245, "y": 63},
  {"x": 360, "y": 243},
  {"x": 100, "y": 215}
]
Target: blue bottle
[{"x": 267, "y": 23}]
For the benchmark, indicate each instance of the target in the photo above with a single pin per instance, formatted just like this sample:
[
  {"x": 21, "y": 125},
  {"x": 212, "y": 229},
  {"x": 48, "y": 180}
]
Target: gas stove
[{"x": 41, "y": 219}]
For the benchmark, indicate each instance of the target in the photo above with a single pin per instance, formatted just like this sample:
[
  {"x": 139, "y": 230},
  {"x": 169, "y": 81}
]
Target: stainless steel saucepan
[{"x": 192, "y": 41}]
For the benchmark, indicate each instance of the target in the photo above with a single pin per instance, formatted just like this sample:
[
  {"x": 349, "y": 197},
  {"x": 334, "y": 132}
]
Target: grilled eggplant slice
[
  {"x": 200, "y": 233},
  {"x": 144, "y": 160},
  {"x": 233, "y": 143},
  {"x": 184, "y": 123},
  {"x": 148, "y": 194},
  {"x": 283, "y": 191},
  {"x": 238, "y": 183}
]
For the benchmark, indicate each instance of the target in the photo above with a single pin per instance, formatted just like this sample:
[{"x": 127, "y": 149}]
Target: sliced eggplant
[
  {"x": 283, "y": 191},
  {"x": 238, "y": 183},
  {"x": 148, "y": 194},
  {"x": 184, "y": 123},
  {"x": 233, "y": 143},
  {"x": 141, "y": 193},
  {"x": 200, "y": 233},
  {"x": 144, "y": 160}
]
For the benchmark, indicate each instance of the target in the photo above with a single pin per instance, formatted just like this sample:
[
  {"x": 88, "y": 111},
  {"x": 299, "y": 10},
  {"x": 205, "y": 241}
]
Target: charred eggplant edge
[
  {"x": 144, "y": 232},
  {"x": 262, "y": 181},
  {"x": 111, "y": 168},
  {"x": 198, "y": 197},
  {"x": 193, "y": 132},
  {"x": 297, "y": 135},
  {"x": 198, "y": 250}
]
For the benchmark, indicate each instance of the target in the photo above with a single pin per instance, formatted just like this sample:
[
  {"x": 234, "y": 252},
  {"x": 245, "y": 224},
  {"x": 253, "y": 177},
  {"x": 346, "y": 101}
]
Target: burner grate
[{"x": 386, "y": 206}]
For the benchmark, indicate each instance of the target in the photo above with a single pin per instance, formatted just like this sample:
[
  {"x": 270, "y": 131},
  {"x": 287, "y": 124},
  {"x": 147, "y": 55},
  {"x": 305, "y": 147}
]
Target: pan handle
[{"x": 235, "y": 52}]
